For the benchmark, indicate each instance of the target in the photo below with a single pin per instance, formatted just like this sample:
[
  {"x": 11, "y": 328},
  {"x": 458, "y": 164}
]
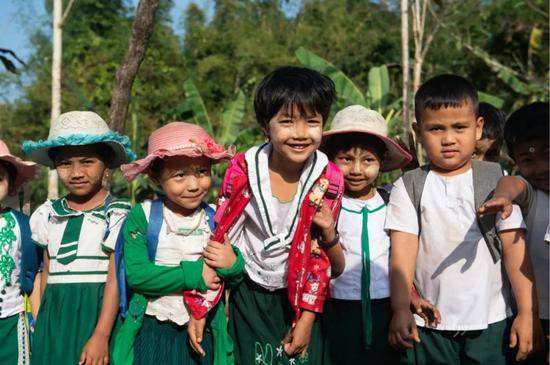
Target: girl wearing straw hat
[
  {"x": 19, "y": 262},
  {"x": 170, "y": 245},
  {"x": 78, "y": 233}
]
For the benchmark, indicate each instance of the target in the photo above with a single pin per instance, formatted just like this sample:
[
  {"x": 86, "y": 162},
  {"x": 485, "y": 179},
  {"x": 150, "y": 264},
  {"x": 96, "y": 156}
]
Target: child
[
  {"x": 526, "y": 135},
  {"x": 273, "y": 196},
  {"x": 357, "y": 142},
  {"x": 453, "y": 257},
  {"x": 80, "y": 298},
  {"x": 19, "y": 262},
  {"x": 488, "y": 147},
  {"x": 179, "y": 160}
]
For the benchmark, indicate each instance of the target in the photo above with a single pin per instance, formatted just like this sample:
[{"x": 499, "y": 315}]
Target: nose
[
  {"x": 193, "y": 183},
  {"x": 356, "y": 168},
  {"x": 300, "y": 129},
  {"x": 77, "y": 171},
  {"x": 448, "y": 139}
]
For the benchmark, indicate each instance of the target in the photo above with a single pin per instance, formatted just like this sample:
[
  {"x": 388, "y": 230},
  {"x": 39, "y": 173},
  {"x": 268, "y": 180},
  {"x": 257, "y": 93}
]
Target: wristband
[{"x": 330, "y": 244}]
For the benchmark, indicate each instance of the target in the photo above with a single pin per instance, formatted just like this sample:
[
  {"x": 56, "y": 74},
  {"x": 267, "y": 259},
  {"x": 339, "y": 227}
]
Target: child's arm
[
  {"x": 96, "y": 350},
  {"x": 525, "y": 332},
  {"x": 35, "y": 296},
  {"x": 45, "y": 272},
  {"x": 510, "y": 189},
  {"x": 404, "y": 249},
  {"x": 155, "y": 280},
  {"x": 324, "y": 220}
]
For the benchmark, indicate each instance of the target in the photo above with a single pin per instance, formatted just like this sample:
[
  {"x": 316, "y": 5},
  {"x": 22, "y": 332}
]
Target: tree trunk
[
  {"x": 405, "y": 67},
  {"x": 53, "y": 191},
  {"x": 142, "y": 28}
]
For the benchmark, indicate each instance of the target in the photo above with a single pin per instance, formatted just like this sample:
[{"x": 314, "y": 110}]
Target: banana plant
[{"x": 377, "y": 95}]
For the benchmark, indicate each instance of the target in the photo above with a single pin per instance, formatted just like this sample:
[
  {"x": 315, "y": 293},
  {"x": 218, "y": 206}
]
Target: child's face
[
  {"x": 294, "y": 137},
  {"x": 360, "y": 167},
  {"x": 4, "y": 182},
  {"x": 81, "y": 169},
  {"x": 186, "y": 182},
  {"x": 532, "y": 161},
  {"x": 449, "y": 136}
]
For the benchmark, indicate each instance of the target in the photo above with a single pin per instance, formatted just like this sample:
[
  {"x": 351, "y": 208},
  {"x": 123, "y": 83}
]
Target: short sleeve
[
  {"x": 39, "y": 224},
  {"x": 514, "y": 221},
  {"x": 116, "y": 213},
  {"x": 400, "y": 214}
]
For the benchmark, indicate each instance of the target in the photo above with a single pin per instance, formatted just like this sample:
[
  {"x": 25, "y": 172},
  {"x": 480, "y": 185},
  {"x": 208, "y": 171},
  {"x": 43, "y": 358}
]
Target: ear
[
  {"x": 479, "y": 128},
  {"x": 416, "y": 129}
]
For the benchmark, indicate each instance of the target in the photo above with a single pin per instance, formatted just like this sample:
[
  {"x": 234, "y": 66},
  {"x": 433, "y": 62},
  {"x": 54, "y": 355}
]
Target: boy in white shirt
[{"x": 453, "y": 257}]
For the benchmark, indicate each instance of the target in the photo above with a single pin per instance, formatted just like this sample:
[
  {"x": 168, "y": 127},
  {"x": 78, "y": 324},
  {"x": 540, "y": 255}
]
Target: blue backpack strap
[
  {"x": 31, "y": 253},
  {"x": 153, "y": 229},
  {"x": 210, "y": 213},
  {"x": 124, "y": 291}
]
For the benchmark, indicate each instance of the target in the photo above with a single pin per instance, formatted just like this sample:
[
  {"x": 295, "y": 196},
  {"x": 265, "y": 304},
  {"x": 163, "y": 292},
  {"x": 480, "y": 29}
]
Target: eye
[
  {"x": 370, "y": 159},
  {"x": 204, "y": 172},
  {"x": 89, "y": 161},
  {"x": 64, "y": 163},
  {"x": 285, "y": 121},
  {"x": 435, "y": 128},
  {"x": 461, "y": 127},
  {"x": 314, "y": 122}
]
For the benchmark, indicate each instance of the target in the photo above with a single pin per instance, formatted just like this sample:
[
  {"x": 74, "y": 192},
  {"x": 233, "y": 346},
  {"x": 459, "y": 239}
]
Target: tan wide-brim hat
[
  {"x": 24, "y": 170},
  {"x": 358, "y": 119}
]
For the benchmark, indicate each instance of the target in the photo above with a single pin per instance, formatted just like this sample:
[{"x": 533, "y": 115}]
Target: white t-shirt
[
  {"x": 454, "y": 269},
  {"x": 347, "y": 286}
]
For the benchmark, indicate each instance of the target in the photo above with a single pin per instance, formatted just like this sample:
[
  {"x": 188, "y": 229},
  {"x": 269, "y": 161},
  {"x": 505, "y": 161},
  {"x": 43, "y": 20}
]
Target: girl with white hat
[
  {"x": 19, "y": 262},
  {"x": 78, "y": 233}
]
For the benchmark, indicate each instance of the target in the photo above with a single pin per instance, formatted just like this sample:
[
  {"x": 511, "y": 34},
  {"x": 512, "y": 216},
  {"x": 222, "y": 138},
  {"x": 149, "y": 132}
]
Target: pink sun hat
[
  {"x": 178, "y": 139},
  {"x": 24, "y": 170}
]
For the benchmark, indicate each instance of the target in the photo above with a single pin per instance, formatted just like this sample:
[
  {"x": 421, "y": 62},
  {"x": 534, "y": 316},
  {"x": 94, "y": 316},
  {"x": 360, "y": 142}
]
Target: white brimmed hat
[
  {"x": 358, "y": 119},
  {"x": 79, "y": 128}
]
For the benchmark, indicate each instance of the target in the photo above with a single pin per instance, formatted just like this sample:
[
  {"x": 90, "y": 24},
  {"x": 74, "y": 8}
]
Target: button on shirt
[
  {"x": 454, "y": 269},
  {"x": 347, "y": 286}
]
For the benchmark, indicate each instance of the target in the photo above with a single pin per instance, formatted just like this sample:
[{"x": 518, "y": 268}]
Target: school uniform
[
  {"x": 79, "y": 244},
  {"x": 14, "y": 329},
  {"x": 260, "y": 312},
  {"x": 455, "y": 272},
  {"x": 366, "y": 248}
]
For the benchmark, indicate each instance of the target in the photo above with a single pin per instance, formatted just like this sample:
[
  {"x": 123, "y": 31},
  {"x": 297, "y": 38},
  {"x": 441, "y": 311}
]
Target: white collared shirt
[
  {"x": 347, "y": 286},
  {"x": 454, "y": 269},
  {"x": 264, "y": 233}
]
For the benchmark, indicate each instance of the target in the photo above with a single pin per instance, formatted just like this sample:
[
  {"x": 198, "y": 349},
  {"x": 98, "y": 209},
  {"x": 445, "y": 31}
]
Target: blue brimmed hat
[{"x": 79, "y": 128}]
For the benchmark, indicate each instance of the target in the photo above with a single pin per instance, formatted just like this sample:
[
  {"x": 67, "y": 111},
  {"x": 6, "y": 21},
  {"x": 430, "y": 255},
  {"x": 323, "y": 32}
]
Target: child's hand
[
  {"x": 219, "y": 255},
  {"x": 325, "y": 221},
  {"x": 496, "y": 205},
  {"x": 297, "y": 339},
  {"x": 403, "y": 330},
  {"x": 211, "y": 279},
  {"x": 426, "y": 310},
  {"x": 195, "y": 330},
  {"x": 526, "y": 335},
  {"x": 96, "y": 350}
]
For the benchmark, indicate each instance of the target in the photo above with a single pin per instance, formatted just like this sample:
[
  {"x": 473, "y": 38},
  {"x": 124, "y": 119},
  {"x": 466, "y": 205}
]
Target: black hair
[
  {"x": 155, "y": 168},
  {"x": 104, "y": 151},
  {"x": 444, "y": 91},
  {"x": 291, "y": 86},
  {"x": 526, "y": 124},
  {"x": 11, "y": 171},
  {"x": 494, "y": 119},
  {"x": 347, "y": 141}
]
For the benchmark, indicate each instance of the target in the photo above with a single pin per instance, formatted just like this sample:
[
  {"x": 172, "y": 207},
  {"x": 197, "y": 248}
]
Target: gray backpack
[{"x": 485, "y": 176}]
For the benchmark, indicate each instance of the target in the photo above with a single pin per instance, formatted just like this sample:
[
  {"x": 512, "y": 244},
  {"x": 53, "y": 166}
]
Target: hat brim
[
  {"x": 396, "y": 158},
  {"x": 122, "y": 153},
  {"x": 24, "y": 170},
  {"x": 141, "y": 166}
]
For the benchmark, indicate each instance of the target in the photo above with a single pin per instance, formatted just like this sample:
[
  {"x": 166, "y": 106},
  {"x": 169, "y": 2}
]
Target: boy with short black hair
[
  {"x": 453, "y": 257},
  {"x": 489, "y": 146}
]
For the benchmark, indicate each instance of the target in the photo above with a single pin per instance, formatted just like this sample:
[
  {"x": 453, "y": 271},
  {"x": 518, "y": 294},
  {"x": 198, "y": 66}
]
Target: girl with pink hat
[
  {"x": 19, "y": 262},
  {"x": 168, "y": 248},
  {"x": 78, "y": 233}
]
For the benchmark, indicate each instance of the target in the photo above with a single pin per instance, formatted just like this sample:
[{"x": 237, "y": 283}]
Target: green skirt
[
  {"x": 66, "y": 320},
  {"x": 343, "y": 333},
  {"x": 15, "y": 340},
  {"x": 167, "y": 343},
  {"x": 259, "y": 320}
]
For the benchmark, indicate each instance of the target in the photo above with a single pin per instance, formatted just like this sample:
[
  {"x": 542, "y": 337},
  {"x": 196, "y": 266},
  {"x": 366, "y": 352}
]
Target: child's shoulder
[
  {"x": 44, "y": 208},
  {"x": 118, "y": 205}
]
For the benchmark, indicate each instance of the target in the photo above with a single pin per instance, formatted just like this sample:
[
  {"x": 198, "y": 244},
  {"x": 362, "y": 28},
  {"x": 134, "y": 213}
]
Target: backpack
[
  {"x": 485, "y": 177},
  {"x": 153, "y": 230},
  {"x": 31, "y": 254}
]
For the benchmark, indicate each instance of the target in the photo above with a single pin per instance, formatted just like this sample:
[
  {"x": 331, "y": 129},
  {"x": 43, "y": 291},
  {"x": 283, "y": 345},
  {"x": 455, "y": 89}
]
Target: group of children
[{"x": 304, "y": 259}]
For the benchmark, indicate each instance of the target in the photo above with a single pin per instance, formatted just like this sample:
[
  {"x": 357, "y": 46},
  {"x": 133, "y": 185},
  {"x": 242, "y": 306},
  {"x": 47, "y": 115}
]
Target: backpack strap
[
  {"x": 485, "y": 176},
  {"x": 384, "y": 194},
  {"x": 124, "y": 291},
  {"x": 31, "y": 254},
  {"x": 336, "y": 181},
  {"x": 153, "y": 228},
  {"x": 414, "y": 181}
]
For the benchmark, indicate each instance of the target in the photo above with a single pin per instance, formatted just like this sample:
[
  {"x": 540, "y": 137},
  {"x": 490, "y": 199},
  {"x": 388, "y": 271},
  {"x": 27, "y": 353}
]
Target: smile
[{"x": 298, "y": 147}]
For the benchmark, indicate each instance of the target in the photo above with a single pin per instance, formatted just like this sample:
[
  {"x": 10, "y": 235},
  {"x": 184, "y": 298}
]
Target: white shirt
[
  {"x": 454, "y": 269},
  {"x": 347, "y": 286},
  {"x": 265, "y": 231},
  {"x": 180, "y": 239},
  {"x": 12, "y": 300},
  {"x": 48, "y": 224}
]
